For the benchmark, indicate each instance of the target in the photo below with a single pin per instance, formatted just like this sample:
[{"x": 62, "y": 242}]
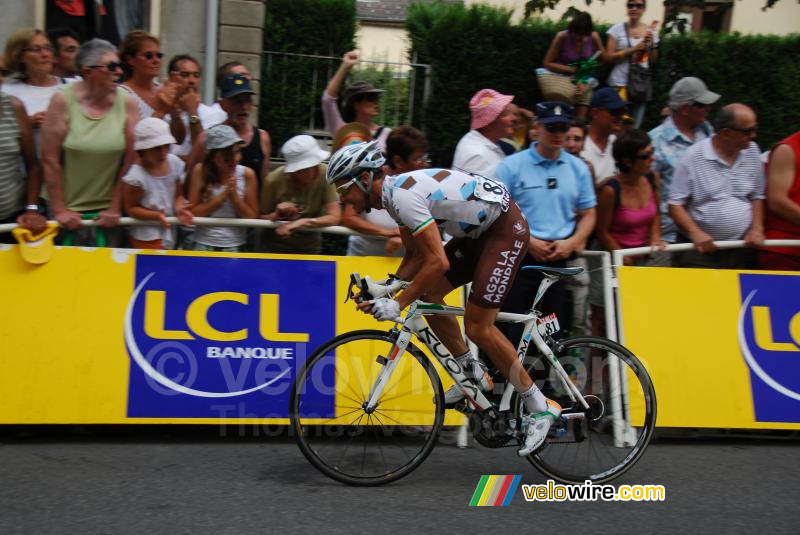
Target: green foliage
[
  {"x": 292, "y": 86},
  {"x": 759, "y": 70},
  {"x": 470, "y": 48},
  {"x": 325, "y": 27},
  {"x": 672, "y": 9}
]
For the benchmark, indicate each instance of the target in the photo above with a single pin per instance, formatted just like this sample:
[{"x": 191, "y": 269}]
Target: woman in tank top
[
  {"x": 141, "y": 56},
  {"x": 220, "y": 187},
  {"x": 577, "y": 43},
  {"x": 627, "y": 211},
  {"x": 87, "y": 140}
]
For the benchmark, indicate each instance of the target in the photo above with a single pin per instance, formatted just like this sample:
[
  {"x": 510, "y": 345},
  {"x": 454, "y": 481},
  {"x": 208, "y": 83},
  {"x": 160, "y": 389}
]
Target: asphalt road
[{"x": 171, "y": 480}]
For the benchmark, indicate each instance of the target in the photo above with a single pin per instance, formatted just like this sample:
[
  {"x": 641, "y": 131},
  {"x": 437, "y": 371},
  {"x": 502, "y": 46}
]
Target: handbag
[{"x": 640, "y": 82}]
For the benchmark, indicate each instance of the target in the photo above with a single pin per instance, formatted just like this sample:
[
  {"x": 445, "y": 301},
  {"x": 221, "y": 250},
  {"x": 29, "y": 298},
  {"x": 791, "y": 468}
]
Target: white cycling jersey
[{"x": 461, "y": 204}]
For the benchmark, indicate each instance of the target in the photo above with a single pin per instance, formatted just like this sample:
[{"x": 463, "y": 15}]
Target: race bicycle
[{"x": 368, "y": 406}]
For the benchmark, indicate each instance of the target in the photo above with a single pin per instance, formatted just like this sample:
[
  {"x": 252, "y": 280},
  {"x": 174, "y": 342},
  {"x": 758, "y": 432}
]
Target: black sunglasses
[
  {"x": 369, "y": 97},
  {"x": 746, "y": 131},
  {"x": 634, "y": 5},
  {"x": 150, "y": 55},
  {"x": 554, "y": 128},
  {"x": 111, "y": 66},
  {"x": 647, "y": 155},
  {"x": 616, "y": 113}
]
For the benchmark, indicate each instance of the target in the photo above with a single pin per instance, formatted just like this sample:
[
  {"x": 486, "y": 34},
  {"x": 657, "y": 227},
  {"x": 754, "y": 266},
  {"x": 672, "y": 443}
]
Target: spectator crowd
[{"x": 93, "y": 131}]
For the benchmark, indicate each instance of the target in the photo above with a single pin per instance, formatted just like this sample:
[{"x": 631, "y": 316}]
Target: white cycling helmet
[{"x": 351, "y": 160}]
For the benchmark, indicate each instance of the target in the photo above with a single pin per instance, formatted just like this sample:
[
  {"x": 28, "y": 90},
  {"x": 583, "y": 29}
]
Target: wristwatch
[{"x": 194, "y": 119}]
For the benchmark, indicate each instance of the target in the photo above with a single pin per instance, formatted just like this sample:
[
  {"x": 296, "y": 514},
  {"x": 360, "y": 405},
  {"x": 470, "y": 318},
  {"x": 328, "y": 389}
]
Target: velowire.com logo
[{"x": 495, "y": 490}]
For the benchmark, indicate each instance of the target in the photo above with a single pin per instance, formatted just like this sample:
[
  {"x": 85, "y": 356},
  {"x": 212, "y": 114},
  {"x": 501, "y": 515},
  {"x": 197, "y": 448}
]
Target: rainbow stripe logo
[{"x": 495, "y": 490}]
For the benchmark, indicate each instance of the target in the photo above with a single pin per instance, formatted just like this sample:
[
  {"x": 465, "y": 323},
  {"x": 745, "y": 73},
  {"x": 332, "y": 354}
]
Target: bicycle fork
[{"x": 414, "y": 323}]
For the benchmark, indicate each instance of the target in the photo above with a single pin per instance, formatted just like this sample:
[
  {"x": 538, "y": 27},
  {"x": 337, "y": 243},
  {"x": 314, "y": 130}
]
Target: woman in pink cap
[{"x": 492, "y": 119}]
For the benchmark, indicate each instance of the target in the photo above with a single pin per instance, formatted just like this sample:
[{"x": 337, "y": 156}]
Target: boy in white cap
[
  {"x": 152, "y": 188},
  {"x": 297, "y": 193}
]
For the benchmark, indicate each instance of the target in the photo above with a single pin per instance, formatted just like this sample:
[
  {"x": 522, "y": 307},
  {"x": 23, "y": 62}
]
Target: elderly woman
[
  {"x": 87, "y": 142},
  {"x": 140, "y": 53},
  {"x": 18, "y": 198},
  {"x": 29, "y": 59}
]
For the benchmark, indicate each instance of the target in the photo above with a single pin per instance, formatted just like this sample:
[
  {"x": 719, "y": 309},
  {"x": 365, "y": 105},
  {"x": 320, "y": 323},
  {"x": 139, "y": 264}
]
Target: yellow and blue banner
[
  {"x": 495, "y": 490},
  {"x": 110, "y": 336},
  {"x": 721, "y": 346}
]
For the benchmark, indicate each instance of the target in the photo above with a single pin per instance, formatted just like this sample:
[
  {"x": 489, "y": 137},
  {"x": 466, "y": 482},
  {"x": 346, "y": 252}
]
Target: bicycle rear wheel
[
  {"x": 334, "y": 431},
  {"x": 603, "y": 442}
]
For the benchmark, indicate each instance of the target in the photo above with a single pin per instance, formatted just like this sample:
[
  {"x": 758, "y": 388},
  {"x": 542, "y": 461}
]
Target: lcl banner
[
  {"x": 120, "y": 336},
  {"x": 722, "y": 346}
]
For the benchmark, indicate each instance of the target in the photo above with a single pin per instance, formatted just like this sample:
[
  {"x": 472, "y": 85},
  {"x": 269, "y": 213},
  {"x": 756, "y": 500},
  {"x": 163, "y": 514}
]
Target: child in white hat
[{"x": 153, "y": 187}]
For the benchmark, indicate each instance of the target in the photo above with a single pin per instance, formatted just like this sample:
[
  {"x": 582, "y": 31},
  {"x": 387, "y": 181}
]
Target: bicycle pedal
[{"x": 461, "y": 406}]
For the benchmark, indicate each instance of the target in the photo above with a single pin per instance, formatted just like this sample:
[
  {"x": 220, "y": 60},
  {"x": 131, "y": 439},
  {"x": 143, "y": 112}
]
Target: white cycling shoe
[
  {"x": 479, "y": 373},
  {"x": 536, "y": 427}
]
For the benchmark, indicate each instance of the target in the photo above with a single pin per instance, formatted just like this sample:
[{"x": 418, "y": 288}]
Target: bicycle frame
[{"x": 413, "y": 324}]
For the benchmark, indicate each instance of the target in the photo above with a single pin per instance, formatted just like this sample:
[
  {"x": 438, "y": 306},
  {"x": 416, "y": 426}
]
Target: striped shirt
[
  {"x": 719, "y": 197},
  {"x": 12, "y": 185}
]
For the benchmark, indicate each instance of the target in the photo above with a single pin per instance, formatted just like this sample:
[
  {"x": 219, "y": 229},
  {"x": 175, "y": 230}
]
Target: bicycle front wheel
[
  {"x": 335, "y": 432},
  {"x": 602, "y": 442}
]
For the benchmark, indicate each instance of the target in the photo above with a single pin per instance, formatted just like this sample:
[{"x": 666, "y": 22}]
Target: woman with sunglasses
[
  {"x": 632, "y": 41},
  {"x": 360, "y": 102},
  {"x": 140, "y": 54},
  {"x": 87, "y": 144},
  {"x": 627, "y": 210},
  {"x": 29, "y": 59}
]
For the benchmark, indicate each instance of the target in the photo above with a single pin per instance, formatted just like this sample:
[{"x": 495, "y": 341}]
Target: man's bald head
[{"x": 735, "y": 115}]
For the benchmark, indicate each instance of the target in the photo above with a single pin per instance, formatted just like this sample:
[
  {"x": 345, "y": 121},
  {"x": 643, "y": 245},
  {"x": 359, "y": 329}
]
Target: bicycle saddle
[{"x": 554, "y": 271}]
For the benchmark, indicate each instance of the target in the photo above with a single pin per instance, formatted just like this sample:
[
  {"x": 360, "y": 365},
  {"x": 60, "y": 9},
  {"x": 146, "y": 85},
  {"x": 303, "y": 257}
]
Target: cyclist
[{"x": 490, "y": 239}]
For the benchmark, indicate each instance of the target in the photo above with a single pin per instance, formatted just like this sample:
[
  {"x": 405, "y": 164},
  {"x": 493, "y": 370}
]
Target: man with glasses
[
  {"x": 554, "y": 190},
  {"x": 717, "y": 193},
  {"x": 184, "y": 72},
  {"x": 689, "y": 103},
  {"x": 66, "y": 45},
  {"x": 606, "y": 121}
]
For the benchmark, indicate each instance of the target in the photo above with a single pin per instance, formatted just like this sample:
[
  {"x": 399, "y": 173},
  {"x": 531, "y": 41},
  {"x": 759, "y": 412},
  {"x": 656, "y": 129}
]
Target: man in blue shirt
[
  {"x": 690, "y": 101},
  {"x": 555, "y": 192}
]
